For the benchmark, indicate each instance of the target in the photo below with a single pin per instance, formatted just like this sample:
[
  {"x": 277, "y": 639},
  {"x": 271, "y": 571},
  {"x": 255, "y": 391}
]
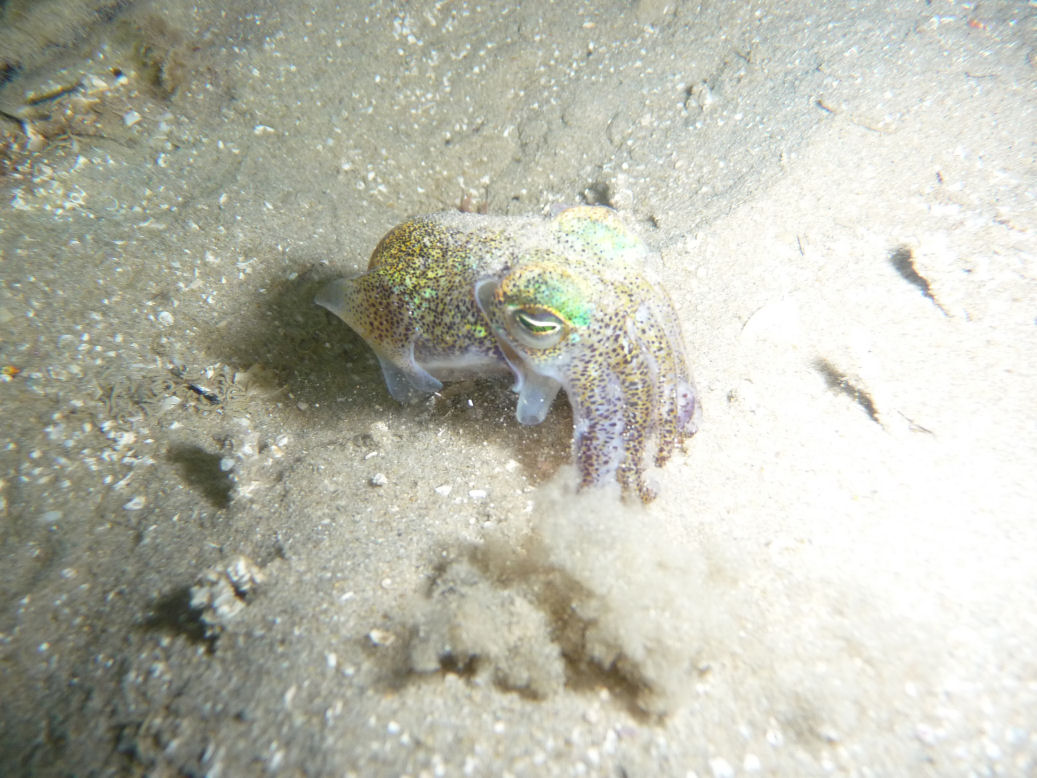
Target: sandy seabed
[{"x": 224, "y": 549}]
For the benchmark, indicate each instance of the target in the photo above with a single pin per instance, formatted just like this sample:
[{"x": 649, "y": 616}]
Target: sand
[{"x": 225, "y": 550}]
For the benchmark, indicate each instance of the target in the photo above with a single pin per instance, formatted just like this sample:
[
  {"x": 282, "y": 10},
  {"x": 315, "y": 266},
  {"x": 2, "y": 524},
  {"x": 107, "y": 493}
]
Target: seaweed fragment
[
  {"x": 840, "y": 382},
  {"x": 903, "y": 260}
]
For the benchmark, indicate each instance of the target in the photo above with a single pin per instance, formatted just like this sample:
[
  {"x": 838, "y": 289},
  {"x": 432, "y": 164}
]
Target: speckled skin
[{"x": 563, "y": 303}]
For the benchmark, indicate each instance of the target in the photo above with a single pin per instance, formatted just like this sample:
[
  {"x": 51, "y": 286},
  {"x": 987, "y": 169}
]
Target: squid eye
[
  {"x": 539, "y": 322},
  {"x": 536, "y": 327}
]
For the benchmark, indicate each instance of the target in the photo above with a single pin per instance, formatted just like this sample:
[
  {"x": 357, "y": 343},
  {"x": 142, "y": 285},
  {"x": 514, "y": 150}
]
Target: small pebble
[
  {"x": 381, "y": 437},
  {"x": 381, "y": 637},
  {"x": 721, "y": 768},
  {"x": 169, "y": 403},
  {"x": 135, "y": 504},
  {"x": 379, "y": 479}
]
